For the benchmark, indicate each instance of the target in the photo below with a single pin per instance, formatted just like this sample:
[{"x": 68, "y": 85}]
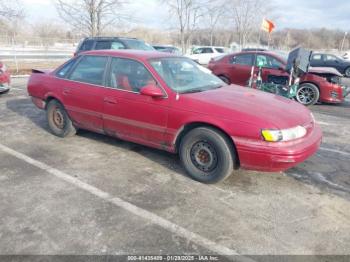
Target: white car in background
[{"x": 204, "y": 54}]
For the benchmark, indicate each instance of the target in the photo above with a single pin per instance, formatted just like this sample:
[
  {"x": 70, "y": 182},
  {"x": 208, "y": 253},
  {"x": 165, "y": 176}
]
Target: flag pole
[{"x": 268, "y": 41}]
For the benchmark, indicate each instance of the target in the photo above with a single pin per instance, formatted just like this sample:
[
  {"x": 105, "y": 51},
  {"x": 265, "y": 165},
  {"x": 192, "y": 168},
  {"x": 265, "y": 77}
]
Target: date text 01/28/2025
[{"x": 173, "y": 258}]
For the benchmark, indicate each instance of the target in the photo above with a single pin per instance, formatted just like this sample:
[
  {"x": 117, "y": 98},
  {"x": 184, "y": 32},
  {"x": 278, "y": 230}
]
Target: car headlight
[{"x": 283, "y": 135}]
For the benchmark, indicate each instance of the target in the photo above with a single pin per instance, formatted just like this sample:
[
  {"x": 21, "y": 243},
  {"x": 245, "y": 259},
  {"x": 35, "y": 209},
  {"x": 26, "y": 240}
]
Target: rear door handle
[{"x": 110, "y": 100}]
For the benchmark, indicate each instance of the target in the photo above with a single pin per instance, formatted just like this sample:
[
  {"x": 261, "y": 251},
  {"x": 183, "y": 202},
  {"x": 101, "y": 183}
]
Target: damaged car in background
[{"x": 271, "y": 71}]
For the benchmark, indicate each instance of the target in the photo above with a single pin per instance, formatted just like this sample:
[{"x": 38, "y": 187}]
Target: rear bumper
[
  {"x": 41, "y": 104},
  {"x": 275, "y": 157}
]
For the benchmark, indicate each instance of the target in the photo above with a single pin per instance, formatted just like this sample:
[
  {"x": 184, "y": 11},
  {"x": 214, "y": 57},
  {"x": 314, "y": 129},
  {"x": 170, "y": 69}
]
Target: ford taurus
[{"x": 172, "y": 103}]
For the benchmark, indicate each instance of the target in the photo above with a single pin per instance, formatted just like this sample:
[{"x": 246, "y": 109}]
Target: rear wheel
[
  {"x": 207, "y": 155},
  {"x": 225, "y": 79},
  {"x": 58, "y": 120},
  {"x": 347, "y": 72},
  {"x": 308, "y": 94}
]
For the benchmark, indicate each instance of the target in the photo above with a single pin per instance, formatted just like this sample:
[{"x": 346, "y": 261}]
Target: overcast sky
[{"x": 333, "y": 14}]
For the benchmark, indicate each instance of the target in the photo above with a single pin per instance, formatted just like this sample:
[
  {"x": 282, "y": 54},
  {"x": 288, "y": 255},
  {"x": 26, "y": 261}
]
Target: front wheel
[
  {"x": 308, "y": 94},
  {"x": 207, "y": 155},
  {"x": 58, "y": 120}
]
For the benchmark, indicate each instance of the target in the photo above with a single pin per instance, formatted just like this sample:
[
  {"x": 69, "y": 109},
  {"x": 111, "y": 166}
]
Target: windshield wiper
[
  {"x": 191, "y": 91},
  {"x": 202, "y": 89}
]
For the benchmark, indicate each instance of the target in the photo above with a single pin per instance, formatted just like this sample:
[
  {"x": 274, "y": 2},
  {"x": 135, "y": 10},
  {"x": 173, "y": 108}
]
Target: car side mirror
[{"x": 152, "y": 91}]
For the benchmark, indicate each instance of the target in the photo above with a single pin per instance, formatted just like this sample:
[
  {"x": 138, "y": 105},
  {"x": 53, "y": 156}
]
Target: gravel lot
[{"x": 92, "y": 194}]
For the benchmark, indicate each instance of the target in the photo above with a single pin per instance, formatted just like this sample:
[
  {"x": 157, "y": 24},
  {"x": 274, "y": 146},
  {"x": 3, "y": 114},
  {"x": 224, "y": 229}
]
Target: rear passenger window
[
  {"x": 63, "y": 72},
  {"x": 245, "y": 59},
  {"x": 101, "y": 45},
  {"x": 87, "y": 45},
  {"x": 90, "y": 69}
]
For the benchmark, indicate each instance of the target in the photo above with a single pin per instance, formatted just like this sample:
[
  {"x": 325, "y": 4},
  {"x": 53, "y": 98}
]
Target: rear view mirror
[{"x": 152, "y": 91}]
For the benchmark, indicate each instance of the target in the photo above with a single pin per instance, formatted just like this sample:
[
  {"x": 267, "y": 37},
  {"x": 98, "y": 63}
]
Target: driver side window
[
  {"x": 266, "y": 61},
  {"x": 129, "y": 75},
  {"x": 330, "y": 58}
]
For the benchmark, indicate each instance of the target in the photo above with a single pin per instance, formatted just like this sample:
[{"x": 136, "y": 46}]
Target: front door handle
[{"x": 110, "y": 100}]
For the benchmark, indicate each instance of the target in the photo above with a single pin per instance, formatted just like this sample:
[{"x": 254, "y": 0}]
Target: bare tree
[
  {"x": 91, "y": 17},
  {"x": 11, "y": 9},
  {"x": 247, "y": 16},
  {"x": 187, "y": 14},
  {"x": 215, "y": 11}
]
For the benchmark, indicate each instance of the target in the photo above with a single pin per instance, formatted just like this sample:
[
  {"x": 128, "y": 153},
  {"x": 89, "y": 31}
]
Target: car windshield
[
  {"x": 138, "y": 45},
  {"x": 185, "y": 76},
  {"x": 282, "y": 55}
]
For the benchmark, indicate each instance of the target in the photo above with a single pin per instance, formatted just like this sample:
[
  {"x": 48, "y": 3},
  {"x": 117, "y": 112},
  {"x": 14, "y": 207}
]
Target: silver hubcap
[
  {"x": 306, "y": 95},
  {"x": 347, "y": 72},
  {"x": 58, "y": 118}
]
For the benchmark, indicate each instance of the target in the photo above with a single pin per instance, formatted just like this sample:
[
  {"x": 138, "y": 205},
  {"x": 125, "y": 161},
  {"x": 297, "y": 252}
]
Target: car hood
[
  {"x": 242, "y": 104},
  {"x": 324, "y": 70}
]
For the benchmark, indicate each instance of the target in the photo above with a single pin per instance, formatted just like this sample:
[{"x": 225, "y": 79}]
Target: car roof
[
  {"x": 208, "y": 46},
  {"x": 258, "y": 52},
  {"x": 271, "y": 53},
  {"x": 130, "y": 53},
  {"x": 166, "y": 46},
  {"x": 109, "y": 38}
]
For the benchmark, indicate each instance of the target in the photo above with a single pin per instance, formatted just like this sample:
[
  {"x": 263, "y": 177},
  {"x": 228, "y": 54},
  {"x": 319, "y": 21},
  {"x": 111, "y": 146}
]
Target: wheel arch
[
  {"x": 346, "y": 69},
  {"x": 49, "y": 98},
  {"x": 312, "y": 83},
  {"x": 192, "y": 125}
]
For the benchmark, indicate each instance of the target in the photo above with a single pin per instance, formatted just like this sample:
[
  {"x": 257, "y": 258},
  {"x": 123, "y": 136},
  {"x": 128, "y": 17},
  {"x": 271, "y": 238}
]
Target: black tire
[
  {"x": 347, "y": 72},
  {"x": 308, "y": 94},
  {"x": 207, "y": 155},
  {"x": 225, "y": 79},
  {"x": 58, "y": 120}
]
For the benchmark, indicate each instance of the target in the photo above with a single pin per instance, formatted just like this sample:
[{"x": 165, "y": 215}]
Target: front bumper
[{"x": 276, "y": 157}]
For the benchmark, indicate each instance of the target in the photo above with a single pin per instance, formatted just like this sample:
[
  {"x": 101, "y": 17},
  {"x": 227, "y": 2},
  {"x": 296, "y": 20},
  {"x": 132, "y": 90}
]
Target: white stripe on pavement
[
  {"x": 147, "y": 215},
  {"x": 335, "y": 151},
  {"x": 324, "y": 123}
]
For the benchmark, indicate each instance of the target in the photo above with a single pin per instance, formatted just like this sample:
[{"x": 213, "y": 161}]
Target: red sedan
[
  {"x": 171, "y": 103},
  {"x": 5, "y": 79},
  {"x": 321, "y": 85}
]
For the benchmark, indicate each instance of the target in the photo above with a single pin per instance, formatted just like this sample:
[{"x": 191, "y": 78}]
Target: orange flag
[{"x": 268, "y": 26}]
